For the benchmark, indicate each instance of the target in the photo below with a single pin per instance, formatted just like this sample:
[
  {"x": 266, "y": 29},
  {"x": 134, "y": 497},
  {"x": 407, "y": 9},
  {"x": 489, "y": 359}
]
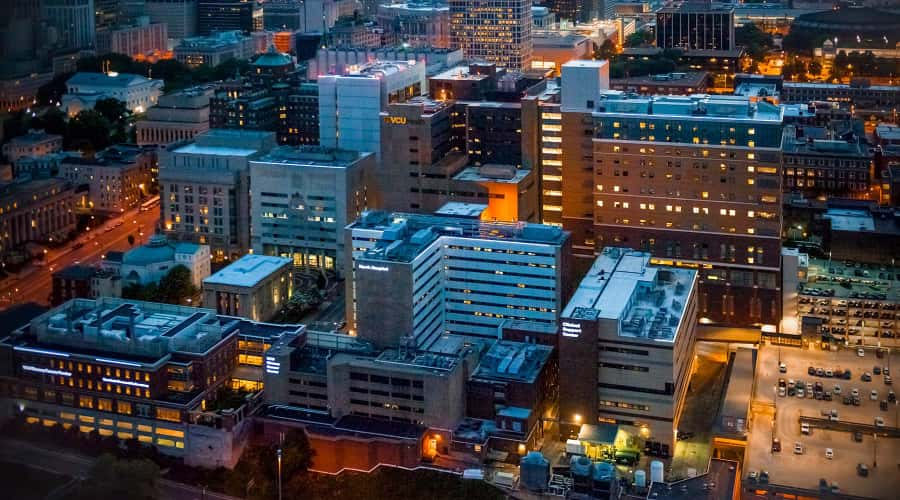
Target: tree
[
  {"x": 176, "y": 286},
  {"x": 638, "y": 38},
  {"x": 755, "y": 41},
  {"x": 52, "y": 91},
  {"x": 815, "y": 68},
  {"x": 255, "y": 475},
  {"x": 53, "y": 121},
  {"x": 131, "y": 240},
  {"x": 112, "y": 109},
  {"x": 606, "y": 51},
  {"x": 112, "y": 479},
  {"x": 88, "y": 131}
]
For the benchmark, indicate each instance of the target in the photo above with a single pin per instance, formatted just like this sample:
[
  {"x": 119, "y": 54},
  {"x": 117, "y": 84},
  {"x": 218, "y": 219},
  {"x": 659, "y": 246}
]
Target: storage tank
[
  {"x": 640, "y": 478},
  {"x": 656, "y": 472},
  {"x": 534, "y": 471},
  {"x": 581, "y": 468},
  {"x": 603, "y": 479}
]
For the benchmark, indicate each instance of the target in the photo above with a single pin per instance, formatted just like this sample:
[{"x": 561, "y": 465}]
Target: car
[
  {"x": 833, "y": 416},
  {"x": 876, "y": 370},
  {"x": 854, "y": 392},
  {"x": 782, "y": 368},
  {"x": 883, "y": 405},
  {"x": 879, "y": 422},
  {"x": 886, "y": 370},
  {"x": 820, "y": 372},
  {"x": 879, "y": 353},
  {"x": 799, "y": 392},
  {"x": 847, "y": 375},
  {"x": 862, "y": 470},
  {"x": 829, "y": 453},
  {"x": 804, "y": 428},
  {"x": 866, "y": 377},
  {"x": 809, "y": 387},
  {"x": 856, "y": 401},
  {"x": 837, "y": 389},
  {"x": 861, "y": 352},
  {"x": 847, "y": 400},
  {"x": 782, "y": 383},
  {"x": 892, "y": 397},
  {"x": 811, "y": 370},
  {"x": 873, "y": 395},
  {"x": 827, "y": 396},
  {"x": 782, "y": 392},
  {"x": 776, "y": 445},
  {"x": 764, "y": 476},
  {"x": 858, "y": 436},
  {"x": 798, "y": 448},
  {"x": 829, "y": 373},
  {"x": 823, "y": 484},
  {"x": 753, "y": 476},
  {"x": 839, "y": 373},
  {"x": 887, "y": 380}
]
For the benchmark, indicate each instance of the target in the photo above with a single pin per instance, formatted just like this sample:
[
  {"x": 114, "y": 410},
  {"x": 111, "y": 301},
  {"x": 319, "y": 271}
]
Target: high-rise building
[
  {"x": 695, "y": 25},
  {"x": 305, "y": 16},
  {"x": 496, "y": 31},
  {"x": 693, "y": 180},
  {"x": 626, "y": 347},
  {"x": 227, "y": 15},
  {"x": 418, "y": 23},
  {"x": 451, "y": 274},
  {"x": 350, "y": 105},
  {"x": 72, "y": 22},
  {"x": 204, "y": 188},
  {"x": 301, "y": 200},
  {"x": 179, "y": 15},
  {"x": 19, "y": 29}
]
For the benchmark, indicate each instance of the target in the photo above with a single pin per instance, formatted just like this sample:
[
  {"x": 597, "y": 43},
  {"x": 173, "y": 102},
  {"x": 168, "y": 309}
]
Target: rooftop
[
  {"x": 647, "y": 300},
  {"x": 34, "y": 137},
  {"x": 122, "y": 155},
  {"x": 732, "y": 108},
  {"x": 111, "y": 79},
  {"x": 158, "y": 249},
  {"x": 313, "y": 156},
  {"x": 248, "y": 270},
  {"x": 219, "y": 40},
  {"x": 674, "y": 79},
  {"x": 825, "y": 147},
  {"x": 460, "y": 209},
  {"x": 888, "y": 131},
  {"x": 491, "y": 172},
  {"x": 516, "y": 361},
  {"x": 403, "y": 236},
  {"x": 846, "y": 219}
]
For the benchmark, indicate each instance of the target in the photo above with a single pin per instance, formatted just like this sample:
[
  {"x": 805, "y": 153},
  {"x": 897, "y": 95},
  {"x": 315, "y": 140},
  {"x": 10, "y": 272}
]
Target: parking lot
[{"x": 806, "y": 469}]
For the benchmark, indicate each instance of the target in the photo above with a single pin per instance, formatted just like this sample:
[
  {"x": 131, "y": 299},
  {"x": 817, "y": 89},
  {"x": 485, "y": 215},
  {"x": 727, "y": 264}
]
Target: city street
[{"x": 34, "y": 283}]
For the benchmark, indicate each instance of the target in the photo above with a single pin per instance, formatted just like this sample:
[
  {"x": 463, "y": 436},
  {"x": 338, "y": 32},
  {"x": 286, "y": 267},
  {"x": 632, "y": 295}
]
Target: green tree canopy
[
  {"x": 255, "y": 475},
  {"x": 88, "y": 131},
  {"x": 112, "y": 109},
  {"x": 606, "y": 51},
  {"x": 112, "y": 479},
  {"x": 755, "y": 41}
]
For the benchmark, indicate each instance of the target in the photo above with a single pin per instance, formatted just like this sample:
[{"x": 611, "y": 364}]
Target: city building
[
  {"x": 35, "y": 211},
  {"x": 80, "y": 281},
  {"x": 216, "y": 48},
  {"x": 205, "y": 189},
  {"x": 83, "y": 90},
  {"x": 350, "y": 105},
  {"x": 354, "y": 31},
  {"x": 301, "y": 125},
  {"x": 178, "y": 116},
  {"x": 343, "y": 60},
  {"x": 19, "y": 91},
  {"x": 543, "y": 18},
  {"x": 19, "y": 30},
  {"x": 306, "y": 16},
  {"x": 117, "y": 178},
  {"x": 451, "y": 275},
  {"x": 496, "y": 31},
  {"x": 696, "y": 25},
  {"x": 227, "y": 15},
  {"x": 552, "y": 49},
  {"x": 140, "y": 39},
  {"x": 72, "y": 22},
  {"x": 694, "y": 180},
  {"x": 179, "y": 16},
  {"x": 254, "y": 287},
  {"x": 840, "y": 168},
  {"x": 136, "y": 370},
  {"x": 626, "y": 348},
  {"x": 688, "y": 83},
  {"x": 41, "y": 167},
  {"x": 35, "y": 143},
  {"x": 151, "y": 262},
  {"x": 302, "y": 198},
  {"x": 418, "y": 23},
  {"x": 865, "y": 97}
]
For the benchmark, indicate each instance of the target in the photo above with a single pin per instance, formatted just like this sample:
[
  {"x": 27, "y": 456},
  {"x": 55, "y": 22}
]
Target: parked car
[
  {"x": 811, "y": 370},
  {"x": 876, "y": 370},
  {"x": 883, "y": 405},
  {"x": 829, "y": 372},
  {"x": 752, "y": 476},
  {"x": 764, "y": 477},
  {"x": 862, "y": 470},
  {"x": 873, "y": 395},
  {"x": 858, "y": 436},
  {"x": 776, "y": 445},
  {"x": 798, "y": 448},
  {"x": 861, "y": 352},
  {"x": 829, "y": 453},
  {"x": 887, "y": 380},
  {"x": 854, "y": 392},
  {"x": 879, "y": 422},
  {"x": 837, "y": 389},
  {"x": 866, "y": 377},
  {"x": 782, "y": 368},
  {"x": 804, "y": 428},
  {"x": 782, "y": 392}
]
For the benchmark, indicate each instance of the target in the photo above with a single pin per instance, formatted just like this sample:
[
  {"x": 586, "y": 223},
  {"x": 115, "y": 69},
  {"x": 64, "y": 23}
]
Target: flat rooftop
[
  {"x": 505, "y": 174},
  {"x": 196, "y": 149},
  {"x": 312, "y": 156},
  {"x": 460, "y": 73},
  {"x": 647, "y": 300},
  {"x": 402, "y": 236},
  {"x": 739, "y": 391},
  {"x": 248, "y": 271},
  {"x": 517, "y": 361},
  {"x": 847, "y": 219},
  {"x": 697, "y": 106}
]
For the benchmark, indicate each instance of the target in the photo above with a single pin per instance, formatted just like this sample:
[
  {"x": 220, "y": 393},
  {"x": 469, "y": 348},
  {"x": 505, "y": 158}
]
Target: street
[
  {"x": 74, "y": 465},
  {"x": 34, "y": 283}
]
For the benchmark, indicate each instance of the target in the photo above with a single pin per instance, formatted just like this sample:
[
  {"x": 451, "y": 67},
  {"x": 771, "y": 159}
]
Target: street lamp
[{"x": 279, "y": 473}]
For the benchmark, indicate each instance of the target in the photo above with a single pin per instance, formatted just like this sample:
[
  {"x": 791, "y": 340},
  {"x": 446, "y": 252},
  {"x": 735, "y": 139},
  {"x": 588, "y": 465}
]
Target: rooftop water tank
[
  {"x": 581, "y": 466},
  {"x": 656, "y": 471},
  {"x": 534, "y": 471},
  {"x": 640, "y": 478}
]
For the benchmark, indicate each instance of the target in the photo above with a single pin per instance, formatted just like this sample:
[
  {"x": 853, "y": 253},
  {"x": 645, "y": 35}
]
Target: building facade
[
  {"x": 179, "y": 16},
  {"x": 695, "y": 26},
  {"x": 179, "y": 116},
  {"x": 497, "y": 31},
  {"x": 83, "y": 90},
  {"x": 205, "y": 189},
  {"x": 302, "y": 198},
  {"x": 626, "y": 347},
  {"x": 138, "y": 40},
  {"x": 254, "y": 287},
  {"x": 36, "y": 210},
  {"x": 226, "y": 15},
  {"x": 35, "y": 143},
  {"x": 151, "y": 262},
  {"x": 72, "y": 20},
  {"x": 117, "y": 178},
  {"x": 417, "y": 23}
]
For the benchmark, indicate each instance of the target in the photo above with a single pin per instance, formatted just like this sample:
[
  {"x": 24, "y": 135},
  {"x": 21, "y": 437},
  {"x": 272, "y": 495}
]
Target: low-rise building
[
  {"x": 83, "y": 91},
  {"x": 80, "y": 281},
  {"x": 179, "y": 116},
  {"x": 35, "y": 211},
  {"x": 303, "y": 197},
  {"x": 686, "y": 83},
  {"x": 626, "y": 347},
  {"x": 42, "y": 167},
  {"x": 117, "y": 178},
  {"x": 35, "y": 143},
  {"x": 151, "y": 262},
  {"x": 217, "y": 48},
  {"x": 841, "y": 168},
  {"x": 254, "y": 287},
  {"x": 418, "y": 23},
  {"x": 140, "y": 39}
]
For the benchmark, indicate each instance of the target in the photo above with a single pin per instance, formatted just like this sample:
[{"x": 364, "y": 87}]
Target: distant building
[
  {"x": 692, "y": 82},
  {"x": 84, "y": 282},
  {"x": 863, "y": 96},
  {"x": 140, "y": 39},
  {"x": 839, "y": 168},
  {"x": 302, "y": 198},
  {"x": 306, "y": 16},
  {"x": 83, "y": 90},
  {"x": 353, "y": 32},
  {"x": 72, "y": 20},
  {"x": 35, "y": 143},
  {"x": 179, "y": 16},
  {"x": 179, "y": 116},
  {"x": 254, "y": 287},
  {"x": 216, "y": 48},
  {"x": 42, "y": 167},
  {"x": 344, "y": 60},
  {"x": 418, "y": 23},
  {"x": 151, "y": 262},
  {"x": 451, "y": 274},
  {"x": 350, "y": 105},
  {"x": 626, "y": 347},
  {"x": 695, "y": 26},
  {"x": 117, "y": 178},
  {"x": 225, "y": 15},
  {"x": 205, "y": 189},
  {"x": 552, "y": 49},
  {"x": 36, "y": 211},
  {"x": 496, "y": 31}
]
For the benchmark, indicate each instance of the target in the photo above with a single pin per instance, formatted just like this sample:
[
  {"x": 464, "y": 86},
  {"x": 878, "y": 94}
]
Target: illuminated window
[
  {"x": 104, "y": 404},
  {"x": 168, "y": 414},
  {"x": 123, "y": 407}
]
